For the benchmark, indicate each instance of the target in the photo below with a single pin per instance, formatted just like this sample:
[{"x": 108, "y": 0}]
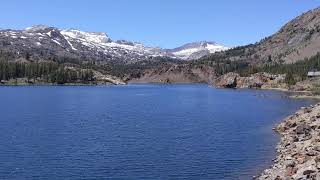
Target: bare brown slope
[
  {"x": 298, "y": 39},
  {"x": 177, "y": 74}
]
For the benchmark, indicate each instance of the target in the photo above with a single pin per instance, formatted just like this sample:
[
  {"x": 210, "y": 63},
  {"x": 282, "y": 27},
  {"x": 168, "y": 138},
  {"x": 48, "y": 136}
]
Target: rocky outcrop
[
  {"x": 229, "y": 80},
  {"x": 103, "y": 79},
  {"x": 298, "y": 153},
  {"x": 98, "y": 77},
  {"x": 258, "y": 80}
]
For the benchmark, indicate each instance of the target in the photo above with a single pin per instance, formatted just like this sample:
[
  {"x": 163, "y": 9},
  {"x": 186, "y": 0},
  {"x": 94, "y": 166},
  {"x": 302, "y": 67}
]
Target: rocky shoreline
[
  {"x": 307, "y": 89},
  {"x": 298, "y": 153}
]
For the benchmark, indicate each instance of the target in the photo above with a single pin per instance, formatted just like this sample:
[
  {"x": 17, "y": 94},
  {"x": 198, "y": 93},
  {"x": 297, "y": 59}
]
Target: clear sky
[{"x": 164, "y": 23}]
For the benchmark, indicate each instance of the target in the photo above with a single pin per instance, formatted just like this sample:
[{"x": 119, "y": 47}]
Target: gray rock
[
  {"x": 308, "y": 171},
  {"x": 303, "y": 129}
]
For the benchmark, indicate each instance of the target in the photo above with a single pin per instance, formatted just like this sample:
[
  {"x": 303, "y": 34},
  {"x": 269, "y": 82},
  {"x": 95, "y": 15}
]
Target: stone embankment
[{"x": 298, "y": 153}]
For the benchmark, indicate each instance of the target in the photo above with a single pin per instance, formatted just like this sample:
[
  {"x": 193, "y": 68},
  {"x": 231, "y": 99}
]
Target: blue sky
[{"x": 164, "y": 23}]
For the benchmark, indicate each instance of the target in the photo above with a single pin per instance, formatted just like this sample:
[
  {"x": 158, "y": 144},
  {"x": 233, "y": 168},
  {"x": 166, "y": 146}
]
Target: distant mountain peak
[
  {"x": 95, "y": 37},
  {"x": 39, "y": 27},
  {"x": 196, "y": 50}
]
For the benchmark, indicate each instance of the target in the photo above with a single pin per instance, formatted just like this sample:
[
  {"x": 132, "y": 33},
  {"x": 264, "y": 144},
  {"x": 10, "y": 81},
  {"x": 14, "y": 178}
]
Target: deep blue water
[{"x": 138, "y": 132}]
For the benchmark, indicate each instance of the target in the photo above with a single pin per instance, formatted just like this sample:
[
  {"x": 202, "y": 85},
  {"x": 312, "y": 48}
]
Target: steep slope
[{"x": 297, "y": 40}]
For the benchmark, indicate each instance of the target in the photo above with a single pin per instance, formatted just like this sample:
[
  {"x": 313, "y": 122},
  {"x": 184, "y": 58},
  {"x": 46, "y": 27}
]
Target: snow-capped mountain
[
  {"x": 50, "y": 42},
  {"x": 197, "y": 50}
]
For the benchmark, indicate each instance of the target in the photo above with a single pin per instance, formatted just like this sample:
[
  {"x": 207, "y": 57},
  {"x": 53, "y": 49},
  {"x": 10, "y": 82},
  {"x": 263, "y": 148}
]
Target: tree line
[
  {"x": 295, "y": 72},
  {"x": 50, "y": 72}
]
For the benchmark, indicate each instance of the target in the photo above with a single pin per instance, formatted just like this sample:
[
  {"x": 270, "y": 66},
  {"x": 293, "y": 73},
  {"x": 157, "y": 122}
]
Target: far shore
[{"x": 295, "y": 95}]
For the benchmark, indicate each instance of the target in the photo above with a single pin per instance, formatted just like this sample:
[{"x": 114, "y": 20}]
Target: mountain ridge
[{"x": 96, "y": 46}]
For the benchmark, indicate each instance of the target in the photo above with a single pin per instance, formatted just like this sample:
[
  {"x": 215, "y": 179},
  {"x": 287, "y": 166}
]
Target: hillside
[{"x": 295, "y": 41}]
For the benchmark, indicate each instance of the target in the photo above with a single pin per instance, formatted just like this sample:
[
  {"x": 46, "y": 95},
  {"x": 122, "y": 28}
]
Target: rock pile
[{"x": 298, "y": 153}]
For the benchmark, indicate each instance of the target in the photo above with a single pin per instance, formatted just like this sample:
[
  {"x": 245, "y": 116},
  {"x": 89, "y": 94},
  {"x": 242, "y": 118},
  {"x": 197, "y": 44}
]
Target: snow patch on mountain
[
  {"x": 91, "y": 37},
  {"x": 98, "y": 46},
  {"x": 197, "y": 50}
]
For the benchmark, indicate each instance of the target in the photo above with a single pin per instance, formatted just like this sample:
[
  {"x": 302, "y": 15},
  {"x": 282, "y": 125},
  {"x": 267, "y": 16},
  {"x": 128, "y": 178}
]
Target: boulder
[
  {"x": 305, "y": 172},
  {"x": 290, "y": 171},
  {"x": 309, "y": 171},
  {"x": 303, "y": 129}
]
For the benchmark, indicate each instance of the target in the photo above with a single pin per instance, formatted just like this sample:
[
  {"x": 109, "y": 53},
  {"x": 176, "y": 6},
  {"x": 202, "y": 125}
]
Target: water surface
[{"x": 138, "y": 132}]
